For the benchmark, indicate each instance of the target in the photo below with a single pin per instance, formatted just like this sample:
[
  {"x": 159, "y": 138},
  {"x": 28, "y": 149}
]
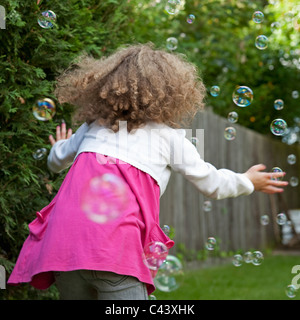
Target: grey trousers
[{"x": 98, "y": 285}]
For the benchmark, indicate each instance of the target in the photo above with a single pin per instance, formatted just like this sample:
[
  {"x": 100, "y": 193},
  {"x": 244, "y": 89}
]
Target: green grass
[{"x": 227, "y": 282}]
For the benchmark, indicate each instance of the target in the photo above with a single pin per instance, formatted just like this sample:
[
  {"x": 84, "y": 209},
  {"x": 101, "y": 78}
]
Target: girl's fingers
[
  {"x": 52, "y": 140},
  {"x": 69, "y": 133},
  {"x": 58, "y": 133},
  {"x": 63, "y": 131}
]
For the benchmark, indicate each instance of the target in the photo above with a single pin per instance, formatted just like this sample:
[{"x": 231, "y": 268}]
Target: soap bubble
[
  {"x": 232, "y": 117},
  {"x": 275, "y": 170},
  {"x": 230, "y": 133},
  {"x": 190, "y": 18},
  {"x": 278, "y": 127},
  {"x": 44, "y": 109},
  {"x": 104, "y": 198},
  {"x": 169, "y": 275},
  {"x": 207, "y": 205},
  {"x": 248, "y": 257},
  {"x": 40, "y": 154},
  {"x": 210, "y": 243},
  {"x": 237, "y": 260},
  {"x": 278, "y": 104},
  {"x": 281, "y": 219},
  {"x": 258, "y": 17},
  {"x": 242, "y": 96},
  {"x": 264, "y": 220},
  {"x": 294, "y": 181},
  {"x": 261, "y": 42},
  {"x": 46, "y": 19},
  {"x": 295, "y": 94},
  {"x": 152, "y": 297},
  {"x": 194, "y": 141},
  {"x": 166, "y": 229},
  {"x": 291, "y": 291},
  {"x": 172, "y": 43},
  {"x": 155, "y": 253},
  {"x": 257, "y": 258},
  {"x": 215, "y": 91},
  {"x": 173, "y": 6},
  {"x": 291, "y": 159}
]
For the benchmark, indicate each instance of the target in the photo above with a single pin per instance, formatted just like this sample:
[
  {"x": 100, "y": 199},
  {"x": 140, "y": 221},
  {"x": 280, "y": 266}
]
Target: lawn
[{"x": 247, "y": 282}]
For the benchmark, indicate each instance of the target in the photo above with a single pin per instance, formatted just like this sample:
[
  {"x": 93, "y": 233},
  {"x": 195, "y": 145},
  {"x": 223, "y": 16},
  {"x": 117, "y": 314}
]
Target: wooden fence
[{"x": 234, "y": 222}]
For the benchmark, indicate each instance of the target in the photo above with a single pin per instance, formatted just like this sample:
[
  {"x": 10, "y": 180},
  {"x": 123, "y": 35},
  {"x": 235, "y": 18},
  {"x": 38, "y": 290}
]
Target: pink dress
[{"x": 62, "y": 238}]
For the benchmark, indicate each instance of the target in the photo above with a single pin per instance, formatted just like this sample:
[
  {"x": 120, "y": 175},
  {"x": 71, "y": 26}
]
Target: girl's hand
[
  {"x": 262, "y": 180},
  {"x": 61, "y": 133}
]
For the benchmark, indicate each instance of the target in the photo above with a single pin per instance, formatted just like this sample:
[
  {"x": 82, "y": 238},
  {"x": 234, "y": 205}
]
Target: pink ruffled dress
[{"x": 62, "y": 238}]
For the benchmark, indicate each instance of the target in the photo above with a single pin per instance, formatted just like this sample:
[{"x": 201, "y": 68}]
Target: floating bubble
[
  {"x": 173, "y": 6},
  {"x": 237, "y": 260},
  {"x": 155, "y": 253},
  {"x": 264, "y": 220},
  {"x": 261, "y": 42},
  {"x": 40, "y": 154},
  {"x": 104, "y": 198},
  {"x": 242, "y": 96},
  {"x": 172, "y": 43},
  {"x": 166, "y": 229},
  {"x": 152, "y": 297},
  {"x": 207, "y": 205},
  {"x": 278, "y": 127},
  {"x": 44, "y": 109},
  {"x": 190, "y": 18},
  {"x": 215, "y": 91},
  {"x": 46, "y": 19},
  {"x": 275, "y": 170},
  {"x": 295, "y": 94},
  {"x": 194, "y": 141},
  {"x": 291, "y": 159},
  {"x": 257, "y": 258},
  {"x": 248, "y": 257},
  {"x": 210, "y": 243},
  {"x": 169, "y": 275},
  {"x": 291, "y": 291},
  {"x": 275, "y": 26},
  {"x": 258, "y": 17},
  {"x": 232, "y": 117},
  {"x": 281, "y": 219},
  {"x": 278, "y": 104},
  {"x": 230, "y": 133},
  {"x": 294, "y": 181}
]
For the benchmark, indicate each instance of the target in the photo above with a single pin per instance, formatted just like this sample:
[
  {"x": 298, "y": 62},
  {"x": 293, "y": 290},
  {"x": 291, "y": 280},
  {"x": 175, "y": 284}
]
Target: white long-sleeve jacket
[{"x": 155, "y": 149}]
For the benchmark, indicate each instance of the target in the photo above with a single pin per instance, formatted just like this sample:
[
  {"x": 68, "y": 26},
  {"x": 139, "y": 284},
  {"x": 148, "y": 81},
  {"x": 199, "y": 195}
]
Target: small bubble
[
  {"x": 291, "y": 291},
  {"x": 46, "y": 19},
  {"x": 275, "y": 170},
  {"x": 291, "y": 159},
  {"x": 230, "y": 133},
  {"x": 248, "y": 257},
  {"x": 172, "y": 43},
  {"x": 281, "y": 219},
  {"x": 232, "y": 117},
  {"x": 237, "y": 260},
  {"x": 278, "y": 127},
  {"x": 261, "y": 42},
  {"x": 278, "y": 104},
  {"x": 258, "y": 17},
  {"x": 294, "y": 181},
  {"x": 210, "y": 243},
  {"x": 215, "y": 91},
  {"x": 242, "y": 96},
  {"x": 155, "y": 253},
  {"x": 264, "y": 220},
  {"x": 40, "y": 154},
  {"x": 207, "y": 205},
  {"x": 257, "y": 258},
  {"x": 190, "y": 19}
]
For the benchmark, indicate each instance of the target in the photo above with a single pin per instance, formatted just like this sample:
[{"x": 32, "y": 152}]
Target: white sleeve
[
  {"x": 63, "y": 152},
  {"x": 213, "y": 183}
]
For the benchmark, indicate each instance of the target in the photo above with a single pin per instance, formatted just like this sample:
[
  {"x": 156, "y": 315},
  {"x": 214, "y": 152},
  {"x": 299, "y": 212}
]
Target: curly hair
[{"x": 136, "y": 84}]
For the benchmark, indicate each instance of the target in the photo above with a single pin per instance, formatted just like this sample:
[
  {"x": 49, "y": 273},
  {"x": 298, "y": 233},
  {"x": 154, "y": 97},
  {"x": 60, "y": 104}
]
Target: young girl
[{"x": 132, "y": 105}]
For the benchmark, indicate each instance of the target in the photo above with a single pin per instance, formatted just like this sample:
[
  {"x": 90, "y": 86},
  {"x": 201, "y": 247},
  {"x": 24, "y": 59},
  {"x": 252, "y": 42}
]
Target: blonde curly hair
[{"x": 136, "y": 84}]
